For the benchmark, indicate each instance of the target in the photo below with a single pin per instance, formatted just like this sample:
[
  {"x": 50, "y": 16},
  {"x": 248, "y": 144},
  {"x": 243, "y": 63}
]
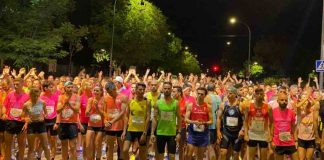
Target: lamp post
[
  {"x": 322, "y": 49},
  {"x": 112, "y": 41},
  {"x": 112, "y": 37},
  {"x": 233, "y": 21}
]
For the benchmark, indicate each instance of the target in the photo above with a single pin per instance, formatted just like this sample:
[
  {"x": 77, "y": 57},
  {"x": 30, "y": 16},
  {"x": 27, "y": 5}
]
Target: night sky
[{"x": 203, "y": 24}]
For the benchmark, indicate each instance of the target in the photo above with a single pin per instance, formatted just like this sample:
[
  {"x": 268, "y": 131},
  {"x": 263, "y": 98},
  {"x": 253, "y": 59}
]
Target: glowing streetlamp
[{"x": 233, "y": 20}]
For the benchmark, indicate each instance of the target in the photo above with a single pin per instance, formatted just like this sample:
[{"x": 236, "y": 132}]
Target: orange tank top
[
  {"x": 113, "y": 110},
  {"x": 95, "y": 119},
  {"x": 68, "y": 115}
]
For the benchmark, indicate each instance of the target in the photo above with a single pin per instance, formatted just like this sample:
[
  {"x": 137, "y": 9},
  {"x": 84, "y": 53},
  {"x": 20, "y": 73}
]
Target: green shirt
[{"x": 167, "y": 124}]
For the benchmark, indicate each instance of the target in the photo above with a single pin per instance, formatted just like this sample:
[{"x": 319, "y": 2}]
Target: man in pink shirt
[
  {"x": 282, "y": 129},
  {"x": 13, "y": 103}
]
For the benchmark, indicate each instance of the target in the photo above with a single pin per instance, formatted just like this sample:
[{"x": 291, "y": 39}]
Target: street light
[
  {"x": 228, "y": 43},
  {"x": 255, "y": 63},
  {"x": 112, "y": 40},
  {"x": 233, "y": 20},
  {"x": 186, "y": 47},
  {"x": 169, "y": 33}
]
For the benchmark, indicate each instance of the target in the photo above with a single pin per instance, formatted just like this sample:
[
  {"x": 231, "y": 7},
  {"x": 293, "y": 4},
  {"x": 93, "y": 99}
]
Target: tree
[
  {"x": 190, "y": 63},
  {"x": 27, "y": 30},
  {"x": 256, "y": 70},
  {"x": 271, "y": 52},
  {"x": 72, "y": 36},
  {"x": 140, "y": 32}
]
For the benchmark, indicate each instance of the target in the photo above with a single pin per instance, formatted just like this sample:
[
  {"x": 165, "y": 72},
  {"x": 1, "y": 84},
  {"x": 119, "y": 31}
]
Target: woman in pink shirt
[
  {"x": 85, "y": 94},
  {"x": 50, "y": 100},
  {"x": 282, "y": 129}
]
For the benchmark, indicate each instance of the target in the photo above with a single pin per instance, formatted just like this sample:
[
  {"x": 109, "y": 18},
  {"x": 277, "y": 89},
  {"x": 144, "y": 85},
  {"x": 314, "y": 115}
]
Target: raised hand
[
  {"x": 14, "y": 73},
  {"x": 300, "y": 80},
  {"x": 22, "y": 71}
]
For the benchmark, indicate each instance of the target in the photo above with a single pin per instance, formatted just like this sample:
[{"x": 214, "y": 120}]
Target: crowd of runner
[{"x": 158, "y": 116}]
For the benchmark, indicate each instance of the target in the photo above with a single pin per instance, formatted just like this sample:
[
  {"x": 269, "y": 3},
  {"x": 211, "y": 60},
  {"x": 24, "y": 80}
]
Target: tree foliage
[
  {"x": 140, "y": 32},
  {"x": 256, "y": 70},
  {"x": 28, "y": 32}
]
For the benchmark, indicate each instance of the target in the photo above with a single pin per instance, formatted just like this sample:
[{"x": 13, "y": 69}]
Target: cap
[{"x": 119, "y": 79}]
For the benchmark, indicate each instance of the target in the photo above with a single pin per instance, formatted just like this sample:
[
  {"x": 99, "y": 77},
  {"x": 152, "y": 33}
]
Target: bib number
[
  {"x": 113, "y": 113},
  {"x": 67, "y": 113},
  {"x": 15, "y": 112},
  {"x": 95, "y": 118},
  {"x": 199, "y": 128},
  {"x": 166, "y": 116},
  {"x": 257, "y": 125},
  {"x": 49, "y": 109},
  {"x": 284, "y": 136},
  {"x": 232, "y": 121},
  {"x": 138, "y": 120}
]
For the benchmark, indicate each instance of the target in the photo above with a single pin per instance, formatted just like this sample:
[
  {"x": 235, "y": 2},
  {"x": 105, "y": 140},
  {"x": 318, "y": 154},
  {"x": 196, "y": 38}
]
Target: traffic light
[{"x": 215, "y": 68}]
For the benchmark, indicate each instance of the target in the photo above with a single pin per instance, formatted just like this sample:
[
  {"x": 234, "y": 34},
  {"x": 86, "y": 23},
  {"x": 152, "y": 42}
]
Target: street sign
[{"x": 319, "y": 65}]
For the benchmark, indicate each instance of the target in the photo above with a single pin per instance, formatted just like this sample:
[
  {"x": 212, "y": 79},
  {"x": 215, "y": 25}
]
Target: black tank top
[
  {"x": 232, "y": 115},
  {"x": 321, "y": 110}
]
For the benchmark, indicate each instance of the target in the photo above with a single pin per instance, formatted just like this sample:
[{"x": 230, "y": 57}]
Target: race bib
[
  {"x": 15, "y": 112},
  {"x": 67, "y": 113},
  {"x": 307, "y": 129},
  {"x": 199, "y": 128},
  {"x": 257, "y": 125},
  {"x": 284, "y": 136},
  {"x": 50, "y": 109},
  {"x": 138, "y": 120},
  {"x": 113, "y": 113},
  {"x": 232, "y": 121},
  {"x": 166, "y": 116},
  {"x": 95, "y": 118}
]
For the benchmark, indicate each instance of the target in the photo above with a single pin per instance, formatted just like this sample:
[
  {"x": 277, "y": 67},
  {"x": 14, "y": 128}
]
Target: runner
[
  {"x": 166, "y": 123},
  {"x": 307, "y": 126},
  {"x": 282, "y": 129},
  {"x": 256, "y": 124},
  {"x": 67, "y": 121},
  {"x": 95, "y": 110},
  {"x": 213, "y": 102},
  {"x": 177, "y": 94},
  {"x": 198, "y": 116},
  {"x": 153, "y": 97},
  {"x": 5, "y": 89},
  {"x": 50, "y": 101},
  {"x": 85, "y": 94},
  {"x": 14, "y": 104},
  {"x": 116, "y": 105},
  {"x": 230, "y": 130},
  {"x": 137, "y": 118},
  {"x": 34, "y": 112}
]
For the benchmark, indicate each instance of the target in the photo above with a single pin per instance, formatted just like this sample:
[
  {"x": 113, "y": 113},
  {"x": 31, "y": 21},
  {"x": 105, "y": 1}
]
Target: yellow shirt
[{"x": 137, "y": 115}]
